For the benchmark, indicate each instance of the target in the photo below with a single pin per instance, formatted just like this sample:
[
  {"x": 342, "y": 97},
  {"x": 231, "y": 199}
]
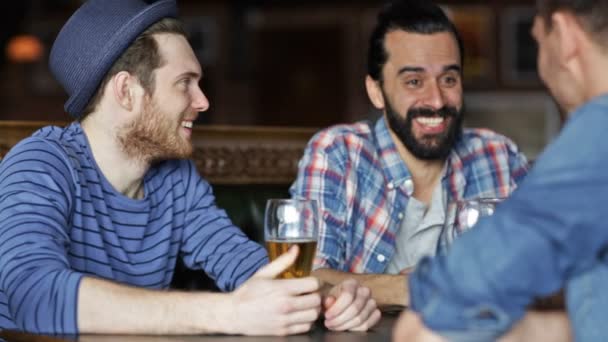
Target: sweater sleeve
[
  {"x": 35, "y": 204},
  {"x": 212, "y": 243}
]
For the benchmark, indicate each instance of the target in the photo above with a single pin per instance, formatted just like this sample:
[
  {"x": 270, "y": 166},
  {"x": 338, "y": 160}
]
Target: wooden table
[{"x": 382, "y": 332}]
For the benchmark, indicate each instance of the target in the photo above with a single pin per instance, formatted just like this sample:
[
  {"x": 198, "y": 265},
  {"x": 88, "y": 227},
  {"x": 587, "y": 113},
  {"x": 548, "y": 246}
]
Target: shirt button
[
  {"x": 400, "y": 216},
  {"x": 380, "y": 258},
  {"x": 391, "y": 186},
  {"x": 409, "y": 187}
]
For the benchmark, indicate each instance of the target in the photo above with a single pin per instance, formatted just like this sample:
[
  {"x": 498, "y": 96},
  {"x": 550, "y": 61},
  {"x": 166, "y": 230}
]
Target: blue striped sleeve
[
  {"x": 35, "y": 201},
  {"x": 211, "y": 242}
]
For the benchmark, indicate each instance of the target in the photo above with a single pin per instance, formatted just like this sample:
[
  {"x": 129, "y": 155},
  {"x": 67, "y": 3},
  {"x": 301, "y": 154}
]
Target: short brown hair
[
  {"x": 140, "y": 59},
  {"x": 592, "y": 13}
]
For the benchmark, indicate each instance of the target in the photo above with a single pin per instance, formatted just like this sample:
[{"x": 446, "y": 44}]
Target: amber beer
[{"x": 303, "y": 264}]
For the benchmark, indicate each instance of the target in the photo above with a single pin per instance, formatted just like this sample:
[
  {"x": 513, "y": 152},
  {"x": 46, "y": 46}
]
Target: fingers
[
  {"x": 298, "y": 286},
  {"x": 303, "y": 302},
  {"x": 303, "y": 316},
  {"x": 372, "y": 320},
  {"x": 355, "y": 314},
  {"x": 302, "y": 312},
  {"x": 345, "y": 297},
  {"x": 354, "y": 309},
  {"x": 328, "y": 302},
  {"x": 368, "y": 317},
  {"x": 280, "y": 264},
  {"x": 298, "y": 329}
]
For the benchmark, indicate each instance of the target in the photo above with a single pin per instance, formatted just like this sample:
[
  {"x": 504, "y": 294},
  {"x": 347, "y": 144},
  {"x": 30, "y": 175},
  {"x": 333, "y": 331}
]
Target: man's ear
[
  {"x": 124, "y": 89},
  {"x": 374, "y": 92},
  {"x": 568, "y": 33}
]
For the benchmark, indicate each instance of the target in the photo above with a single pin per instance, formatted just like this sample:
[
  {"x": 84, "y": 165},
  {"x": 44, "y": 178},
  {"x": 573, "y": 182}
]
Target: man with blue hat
[{"x": 93, "y": 216}]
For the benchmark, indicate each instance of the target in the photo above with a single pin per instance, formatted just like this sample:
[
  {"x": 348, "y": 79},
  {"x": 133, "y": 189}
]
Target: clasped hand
[{"x": 267, "y": 306}]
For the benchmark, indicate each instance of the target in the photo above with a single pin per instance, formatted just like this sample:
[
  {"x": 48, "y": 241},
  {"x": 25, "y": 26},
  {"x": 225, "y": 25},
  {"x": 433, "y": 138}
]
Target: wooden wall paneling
[{"x": 229, "y": 155}]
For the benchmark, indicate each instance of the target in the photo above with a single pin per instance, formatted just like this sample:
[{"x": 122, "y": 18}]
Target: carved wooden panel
[
  {"x": 248, "y": 164},
  {"x": 223, "y": 154}
]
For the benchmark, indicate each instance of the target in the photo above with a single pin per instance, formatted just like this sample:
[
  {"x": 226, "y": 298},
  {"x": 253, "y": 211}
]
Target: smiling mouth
[
  {"x": 430, "y": 122},
  {"x": 187, "y": 124}
]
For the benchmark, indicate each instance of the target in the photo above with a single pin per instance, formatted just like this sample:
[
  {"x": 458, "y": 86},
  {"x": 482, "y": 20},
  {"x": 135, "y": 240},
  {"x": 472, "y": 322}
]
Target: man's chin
[
  {"x": 429, "y": 151},
  {"x": 175, "y": 154}
]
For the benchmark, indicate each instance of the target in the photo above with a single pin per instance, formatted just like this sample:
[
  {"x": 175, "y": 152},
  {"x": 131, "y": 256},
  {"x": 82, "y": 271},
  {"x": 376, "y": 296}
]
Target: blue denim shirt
[{"x": 551, "y": 230}]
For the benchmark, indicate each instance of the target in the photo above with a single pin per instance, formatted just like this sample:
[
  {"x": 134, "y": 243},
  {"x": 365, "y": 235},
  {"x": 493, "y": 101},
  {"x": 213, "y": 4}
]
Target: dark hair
[
  {"x": 414, "y": 16},
  {"x": 140, "y": 59},
  {"x": 594, "y": 14}
]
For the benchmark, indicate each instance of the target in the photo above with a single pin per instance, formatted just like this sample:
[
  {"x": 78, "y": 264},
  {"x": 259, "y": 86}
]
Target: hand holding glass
[{"x": 289, "y": 222}]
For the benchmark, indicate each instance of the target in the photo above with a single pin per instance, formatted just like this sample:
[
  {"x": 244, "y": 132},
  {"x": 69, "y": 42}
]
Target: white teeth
[
  {"x": 430, "y": 121},
  {"x": 187, "y": 124}
]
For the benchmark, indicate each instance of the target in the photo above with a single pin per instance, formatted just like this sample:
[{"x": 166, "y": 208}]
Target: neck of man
[
  {"x": 594, "y": 82},
  {"x": 426, "y": 174},
  {"x": 124, "y": 173}
]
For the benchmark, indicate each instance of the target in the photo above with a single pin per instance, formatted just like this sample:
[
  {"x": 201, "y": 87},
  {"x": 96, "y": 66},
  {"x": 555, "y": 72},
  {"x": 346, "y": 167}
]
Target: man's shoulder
[
  {"x": 343, "y": 136},
  {"x": 49, "y": 140},
  {"x": 40, "y": 160},
  {"x": 474, "y": 139}
]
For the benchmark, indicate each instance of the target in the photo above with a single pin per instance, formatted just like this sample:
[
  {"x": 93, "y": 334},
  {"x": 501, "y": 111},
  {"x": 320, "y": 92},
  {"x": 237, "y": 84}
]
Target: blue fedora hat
[{"x": 94, "y": 38}]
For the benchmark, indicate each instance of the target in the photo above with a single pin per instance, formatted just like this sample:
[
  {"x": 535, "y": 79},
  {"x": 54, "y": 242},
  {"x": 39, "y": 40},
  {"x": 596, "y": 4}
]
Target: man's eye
[
  {"x": 413, "y": 82},
  {"x": 450, "y": 80},
  {"x": 184, "y": 83}
]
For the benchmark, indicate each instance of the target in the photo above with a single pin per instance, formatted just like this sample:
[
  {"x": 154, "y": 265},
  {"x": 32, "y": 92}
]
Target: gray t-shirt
[{"x": 419, "y": 231}]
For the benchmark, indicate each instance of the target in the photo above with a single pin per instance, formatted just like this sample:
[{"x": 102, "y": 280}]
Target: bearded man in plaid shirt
[{"x": 382, "y": 187}]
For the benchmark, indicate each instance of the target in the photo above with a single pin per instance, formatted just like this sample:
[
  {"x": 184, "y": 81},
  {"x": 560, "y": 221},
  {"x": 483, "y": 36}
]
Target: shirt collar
[
  {"x": 397, "y": 173},
  {"x": 394, "y": 168}
]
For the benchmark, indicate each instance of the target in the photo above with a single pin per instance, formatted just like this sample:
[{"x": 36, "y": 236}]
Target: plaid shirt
[{"x": 363, "y": 186}]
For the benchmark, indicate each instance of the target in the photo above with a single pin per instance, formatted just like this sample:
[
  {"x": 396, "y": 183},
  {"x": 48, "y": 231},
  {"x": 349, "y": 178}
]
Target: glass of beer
[
  {"x": 462, "y": 215},
  {"x": 289, "y": 222}
]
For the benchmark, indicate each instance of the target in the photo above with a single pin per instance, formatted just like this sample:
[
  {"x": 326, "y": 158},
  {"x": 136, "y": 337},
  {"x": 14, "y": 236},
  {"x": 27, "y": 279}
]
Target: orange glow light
[{"x": 24, "y": 48}]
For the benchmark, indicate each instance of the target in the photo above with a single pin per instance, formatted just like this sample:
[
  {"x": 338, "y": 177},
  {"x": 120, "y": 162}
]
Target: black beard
[{"x": 430, "y": 146}]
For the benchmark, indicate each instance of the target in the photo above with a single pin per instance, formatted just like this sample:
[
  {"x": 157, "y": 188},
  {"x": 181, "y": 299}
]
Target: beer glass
[
  {"x": 289, "y": 222},
  {"x": 462, "y": 215}
]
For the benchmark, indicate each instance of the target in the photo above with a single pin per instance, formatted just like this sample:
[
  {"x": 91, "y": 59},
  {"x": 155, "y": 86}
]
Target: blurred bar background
[
  {"x": 275, "y": 71},
  {"x": 299, "y": 63}
]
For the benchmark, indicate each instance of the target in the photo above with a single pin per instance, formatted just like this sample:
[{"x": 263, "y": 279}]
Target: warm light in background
[{"x": 24, "y": 48}]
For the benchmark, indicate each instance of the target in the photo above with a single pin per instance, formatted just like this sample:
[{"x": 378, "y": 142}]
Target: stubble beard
[{"x": 152, "y": 137}]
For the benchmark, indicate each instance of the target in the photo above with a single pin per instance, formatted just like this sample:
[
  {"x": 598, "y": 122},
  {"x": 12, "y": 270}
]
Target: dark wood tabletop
[{"x": 381, "y": 332}]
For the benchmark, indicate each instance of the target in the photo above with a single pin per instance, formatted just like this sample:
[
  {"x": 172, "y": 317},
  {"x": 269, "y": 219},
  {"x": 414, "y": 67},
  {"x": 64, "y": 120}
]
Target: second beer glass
[
  {"x": 462, "y": 215},
  {"x": 290, "y": 222}
]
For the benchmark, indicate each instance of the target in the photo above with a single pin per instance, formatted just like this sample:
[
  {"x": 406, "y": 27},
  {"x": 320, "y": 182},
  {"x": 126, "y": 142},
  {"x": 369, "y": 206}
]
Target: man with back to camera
[
  {"x": 93, "y": 216},
  {"x": 382, "y": 187},
  {"x": 551, "y": 233}
]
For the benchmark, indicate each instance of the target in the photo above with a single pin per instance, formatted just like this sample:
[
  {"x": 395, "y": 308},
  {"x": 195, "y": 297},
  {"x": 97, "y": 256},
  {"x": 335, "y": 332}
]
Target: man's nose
[
  {"x": 433, "y": 97},
  {"x": 199, "y": 101}
]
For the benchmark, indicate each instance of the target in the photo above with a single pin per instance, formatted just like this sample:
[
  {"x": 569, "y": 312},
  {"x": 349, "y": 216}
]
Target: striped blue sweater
[{"x": 61, "y": 220}]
